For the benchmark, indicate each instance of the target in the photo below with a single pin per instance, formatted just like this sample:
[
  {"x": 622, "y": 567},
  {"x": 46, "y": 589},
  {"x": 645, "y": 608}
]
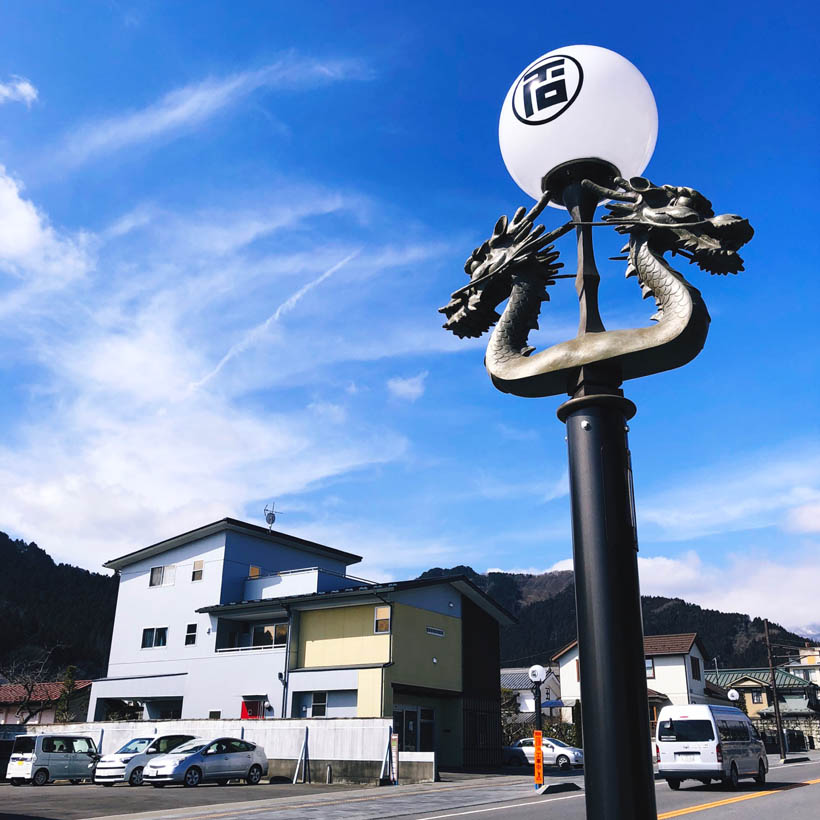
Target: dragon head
[
  {"x": 515, "y": 249},
  {"x": 680, "y": 220}
]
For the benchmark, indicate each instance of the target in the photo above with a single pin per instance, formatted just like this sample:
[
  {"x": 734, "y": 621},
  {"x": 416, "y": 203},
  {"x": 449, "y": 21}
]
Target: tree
[
  {"x": 30, "y": 673},
  {"x": 63, "y": 713}
]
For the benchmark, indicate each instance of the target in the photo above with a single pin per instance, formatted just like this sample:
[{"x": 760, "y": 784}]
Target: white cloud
[
  {"x": 39, "y": 257},
  {"x": 758, "y": 490},
  {"x": 18, "y": 89},
  {"x": 784, "y": 590},
  {"x": 192, "y": 105},
  {"x": 408, "y": 389},
  {"x": 805, "y": 518}
]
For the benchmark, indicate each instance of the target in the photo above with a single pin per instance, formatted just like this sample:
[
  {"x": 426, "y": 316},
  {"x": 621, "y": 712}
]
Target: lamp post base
[{"x": 617, "y": 745}]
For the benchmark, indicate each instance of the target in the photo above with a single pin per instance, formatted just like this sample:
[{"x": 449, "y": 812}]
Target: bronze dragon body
[{"x": 518, "y": 263}]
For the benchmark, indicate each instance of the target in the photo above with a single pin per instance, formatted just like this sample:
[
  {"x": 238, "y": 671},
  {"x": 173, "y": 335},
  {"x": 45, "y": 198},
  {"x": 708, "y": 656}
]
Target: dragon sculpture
[{"x": 518, "y": 263}]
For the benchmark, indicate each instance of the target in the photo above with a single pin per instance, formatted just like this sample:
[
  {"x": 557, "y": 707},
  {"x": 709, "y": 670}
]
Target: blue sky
[{"x": 225, "y": 230}]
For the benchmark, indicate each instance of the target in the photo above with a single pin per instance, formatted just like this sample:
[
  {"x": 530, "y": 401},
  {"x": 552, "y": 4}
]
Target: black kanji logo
[{"x": 547, "y": 89}]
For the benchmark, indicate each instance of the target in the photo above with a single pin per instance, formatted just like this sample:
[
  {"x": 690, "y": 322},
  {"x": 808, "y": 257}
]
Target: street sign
[{"x": 538, "y": 767}]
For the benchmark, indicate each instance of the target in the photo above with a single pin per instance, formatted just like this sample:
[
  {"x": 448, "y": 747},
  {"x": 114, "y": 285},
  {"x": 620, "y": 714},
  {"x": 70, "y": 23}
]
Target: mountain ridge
[{"x": 545, "y": 607}]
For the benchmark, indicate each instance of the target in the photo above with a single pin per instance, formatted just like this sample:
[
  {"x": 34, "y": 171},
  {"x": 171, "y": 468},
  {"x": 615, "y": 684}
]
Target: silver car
[
  {"x": 128, "y": 763},
  {"x": 556, "y": 752},
  {"x": 199, "y": 760}
]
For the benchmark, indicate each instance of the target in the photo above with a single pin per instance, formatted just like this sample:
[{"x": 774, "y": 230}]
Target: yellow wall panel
[
  {"x": 414, "y": 649},
  {"x": 370, "y": 693},
  {"x": 341, "y": 636}
]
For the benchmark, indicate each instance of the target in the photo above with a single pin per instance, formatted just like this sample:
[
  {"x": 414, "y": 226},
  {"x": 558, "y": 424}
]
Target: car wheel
[
  {"x": 136, "y": 777},
  {"x": 761, "y": 774},
  {"x": 674, "y": 784},
  {"x": 562, "y": 761},
  {"x": 193, "y": 777},
  {"x": 40, "y": 777},
  {"x": 734, "y": 779},
  {"x": 254, "y": 775}
]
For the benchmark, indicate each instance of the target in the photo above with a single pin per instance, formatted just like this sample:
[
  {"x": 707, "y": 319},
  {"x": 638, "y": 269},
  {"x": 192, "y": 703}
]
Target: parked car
[
  {"x": 127, "y": 764},
  {"x": 37, "y": 759},
  {"x": 706, "y": 743},
  {"x": 199, "y": 760},
  {"x": 556, "y": 753}
]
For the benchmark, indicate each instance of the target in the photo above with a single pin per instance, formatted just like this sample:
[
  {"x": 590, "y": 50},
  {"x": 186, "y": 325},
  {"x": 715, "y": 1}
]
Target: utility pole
[{"x": 777, "y": 719}]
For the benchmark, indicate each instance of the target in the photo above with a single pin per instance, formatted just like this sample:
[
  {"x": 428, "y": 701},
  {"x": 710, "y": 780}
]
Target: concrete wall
[
  {"x": 354, "y": 747},
  {"x": 341, "y": 636}
]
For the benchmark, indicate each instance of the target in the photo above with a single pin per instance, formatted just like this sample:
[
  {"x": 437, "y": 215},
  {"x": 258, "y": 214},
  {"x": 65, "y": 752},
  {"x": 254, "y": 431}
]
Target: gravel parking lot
[{"x": 62, "y": 801}]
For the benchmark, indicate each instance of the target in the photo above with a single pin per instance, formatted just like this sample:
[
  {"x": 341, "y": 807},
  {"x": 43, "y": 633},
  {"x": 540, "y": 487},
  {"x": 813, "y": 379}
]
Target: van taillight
[
  {"x": 719, "y": 753},
  {"x": 657, "y": 753}
]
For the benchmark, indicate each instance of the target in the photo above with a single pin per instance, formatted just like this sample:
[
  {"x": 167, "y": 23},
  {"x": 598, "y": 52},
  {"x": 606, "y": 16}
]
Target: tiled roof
[
  {"x": 515, "y": 680},
  {"x": 669, "y": 644},
  {"x": 653, "y": 645},
  {"x": 728, "y": 677},
  {"x": 15, "y": 693}
]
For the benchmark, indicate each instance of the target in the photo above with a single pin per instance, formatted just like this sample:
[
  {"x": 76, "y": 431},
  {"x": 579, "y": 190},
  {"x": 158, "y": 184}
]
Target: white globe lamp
[{"x": 578, "y": 111}]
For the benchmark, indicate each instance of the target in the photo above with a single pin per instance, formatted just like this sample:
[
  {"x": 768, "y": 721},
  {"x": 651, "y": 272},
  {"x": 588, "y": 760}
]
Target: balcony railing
[{"x": 249, "y": 648}]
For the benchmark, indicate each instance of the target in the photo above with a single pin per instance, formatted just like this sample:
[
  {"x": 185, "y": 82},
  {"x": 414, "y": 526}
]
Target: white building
[
  {"x": 674, "y": 673},
  {"x": 807, "y": 665}
]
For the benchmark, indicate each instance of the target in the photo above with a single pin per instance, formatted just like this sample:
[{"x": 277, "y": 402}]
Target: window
[
  {"x": 190, "y": 635},
  {"x": 239, "y": 746},
  {"x": 196, "y": 575},
  {"x": 319, "y": 708},
  {"x": 733, "y": 730},
  {"x": 434, "y": 630},
  {"x": 83, "y": 745},
  {"x": 381, "y": 621},
  {"x": 154, "y": 636},
  {"x": 270, "y": 635},
  {"x": 685, "y": 731},
  {"x": 162, "y": 576},
  {"x": 695, "y": 668},
  {"x": 650, "y": 667},
  {"x": 254, "y": 571},
  {"x": 757, "y": 696}
]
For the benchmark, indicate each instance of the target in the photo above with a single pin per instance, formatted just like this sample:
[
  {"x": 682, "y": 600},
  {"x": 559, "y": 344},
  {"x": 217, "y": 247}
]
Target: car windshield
[
  {"x": 23, "y": 745},
  {"x": 188, "y": 748},
  {"x": 556, "y": 742},
  {"x": 135, "y": 746},
  {"x": 685, "y": 731}
]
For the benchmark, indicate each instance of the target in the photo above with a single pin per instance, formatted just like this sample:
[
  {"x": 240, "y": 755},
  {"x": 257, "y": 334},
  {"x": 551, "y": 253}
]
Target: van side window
[
  {"x": 83, "y": 745},
  {"x": 48, "y": 744}
]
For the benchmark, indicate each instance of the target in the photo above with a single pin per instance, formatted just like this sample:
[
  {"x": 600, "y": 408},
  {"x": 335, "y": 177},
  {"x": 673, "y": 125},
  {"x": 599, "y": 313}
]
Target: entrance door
[{"x": 410, "y": 735}]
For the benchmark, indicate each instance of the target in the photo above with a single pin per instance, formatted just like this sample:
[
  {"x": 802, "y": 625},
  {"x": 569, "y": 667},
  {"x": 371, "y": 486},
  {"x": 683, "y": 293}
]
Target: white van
[
  {"x": 36, "y": 759},
  {"x": 705, "y": 743}
]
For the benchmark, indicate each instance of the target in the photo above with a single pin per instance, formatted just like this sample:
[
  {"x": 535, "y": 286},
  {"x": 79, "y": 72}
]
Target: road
[{"x": 792, "y": 791}]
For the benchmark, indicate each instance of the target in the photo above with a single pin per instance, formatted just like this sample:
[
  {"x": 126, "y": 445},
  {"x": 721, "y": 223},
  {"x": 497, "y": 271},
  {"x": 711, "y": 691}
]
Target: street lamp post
[{"x": 587, "y": 117}]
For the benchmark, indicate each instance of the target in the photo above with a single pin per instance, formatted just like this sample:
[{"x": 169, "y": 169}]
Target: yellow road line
[{"x": 739, "y": 799}]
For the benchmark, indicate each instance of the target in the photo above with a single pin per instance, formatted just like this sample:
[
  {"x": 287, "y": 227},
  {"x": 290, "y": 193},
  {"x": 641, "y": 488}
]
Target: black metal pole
[
  {"x": 777, "y": 719},
  {"x": 536, "y": 692},
  {"x": 617, "y": 745}
]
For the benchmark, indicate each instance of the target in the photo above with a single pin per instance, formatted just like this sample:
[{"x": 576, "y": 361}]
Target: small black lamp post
[{"x": 587, "y": 116}]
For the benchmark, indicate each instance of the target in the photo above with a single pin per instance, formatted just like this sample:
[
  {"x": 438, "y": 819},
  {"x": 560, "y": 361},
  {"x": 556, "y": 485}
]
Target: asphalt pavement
[{"x": 792, "y": 790}]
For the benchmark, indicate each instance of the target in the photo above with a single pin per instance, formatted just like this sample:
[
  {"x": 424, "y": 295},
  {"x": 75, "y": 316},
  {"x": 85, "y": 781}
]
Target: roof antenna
[{"x": 270, "y": 515}]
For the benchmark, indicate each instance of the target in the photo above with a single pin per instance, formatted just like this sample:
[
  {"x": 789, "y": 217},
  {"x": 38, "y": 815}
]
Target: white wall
[{"x": 328, "y": 738}]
